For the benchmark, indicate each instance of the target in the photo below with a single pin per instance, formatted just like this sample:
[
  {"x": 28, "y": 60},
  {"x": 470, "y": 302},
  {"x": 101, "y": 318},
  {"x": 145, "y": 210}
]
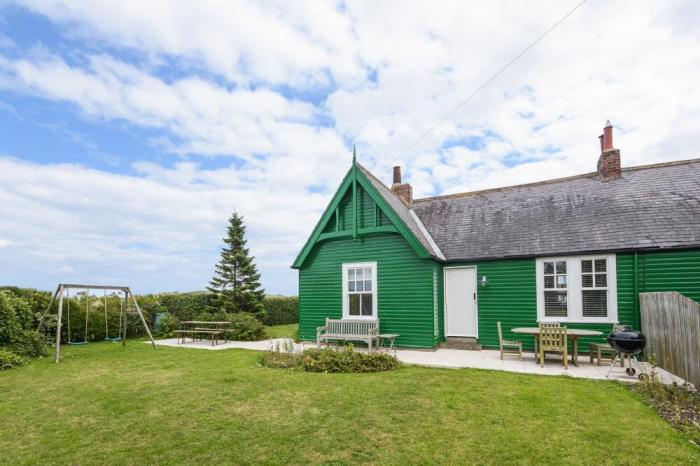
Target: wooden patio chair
[
  {"x": 553, "y": 339},
  {"x": 596, "y": 350},
  {"x": 509, "y": 346}
]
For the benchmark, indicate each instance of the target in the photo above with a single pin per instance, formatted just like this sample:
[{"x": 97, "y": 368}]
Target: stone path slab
[{"x": 455, "y": 359}]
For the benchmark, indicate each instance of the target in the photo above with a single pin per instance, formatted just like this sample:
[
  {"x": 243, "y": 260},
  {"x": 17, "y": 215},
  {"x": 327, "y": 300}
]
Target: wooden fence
[{"x": 671, "y": 323}]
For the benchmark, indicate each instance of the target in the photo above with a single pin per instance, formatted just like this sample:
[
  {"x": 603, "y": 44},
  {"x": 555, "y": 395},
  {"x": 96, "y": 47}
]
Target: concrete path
[{"x": 456, "y": 359}]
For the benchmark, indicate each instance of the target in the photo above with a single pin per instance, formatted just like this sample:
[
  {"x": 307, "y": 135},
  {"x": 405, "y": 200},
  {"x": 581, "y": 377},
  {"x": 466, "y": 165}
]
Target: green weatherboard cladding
[
  {"x": 404, "y": 286},
  {"x": 511, "y": 295},
  {"x": 410, "y": 286}
]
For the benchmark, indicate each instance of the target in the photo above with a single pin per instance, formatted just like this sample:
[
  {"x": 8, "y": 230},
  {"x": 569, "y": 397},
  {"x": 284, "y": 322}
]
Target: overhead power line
[{"x": 491, "y": 79}]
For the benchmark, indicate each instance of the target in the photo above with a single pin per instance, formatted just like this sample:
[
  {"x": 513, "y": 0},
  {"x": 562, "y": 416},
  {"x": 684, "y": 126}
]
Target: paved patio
[{"x": 456, "y": 359}]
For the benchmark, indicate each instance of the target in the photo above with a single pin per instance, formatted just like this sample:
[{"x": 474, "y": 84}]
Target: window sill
[{"x": 567, "y": 320}]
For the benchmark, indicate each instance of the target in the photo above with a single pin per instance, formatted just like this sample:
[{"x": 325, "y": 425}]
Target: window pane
[
  {"x": 358, "y": 286},
  {"x": 555, "y": 303},
  {"x": 549, "y": 281},
  {"x": 368, "y": 285},
  {"x": 351, "y": 286},
  {"x": 561, "y": 267},
  {"x": 358, "y": 274},
  {"x": 368, "y": 274},
  {"x": 600, "y": 265},
  {"x": 587, "y": 266},
  {"x": 561, "y": 281},
  {"x": 351, "y": 274},
  {"x": 595, "y": 303},
  {"x": 354, "y": 300},
  {"x": 366, "y": 304},
  {"x": 587, "y": 281},
  {"x": 549, "y": 267},
  {"x": 601, "y": 280}
]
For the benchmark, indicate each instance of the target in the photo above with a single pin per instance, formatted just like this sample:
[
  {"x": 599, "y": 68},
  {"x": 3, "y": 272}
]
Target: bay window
[
  {"x": 360, "y": 290},
  {"x": 577, "y": 289}
]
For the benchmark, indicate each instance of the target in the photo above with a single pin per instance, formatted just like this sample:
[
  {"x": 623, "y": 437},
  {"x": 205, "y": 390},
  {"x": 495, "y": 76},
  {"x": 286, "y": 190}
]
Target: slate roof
[
  {"x": 412, "y": 222},
  {"x": 649, "y": 207}
]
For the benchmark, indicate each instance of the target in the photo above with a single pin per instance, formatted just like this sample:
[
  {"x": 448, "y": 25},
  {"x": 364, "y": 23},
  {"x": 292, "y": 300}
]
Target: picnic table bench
[
  {"x": 213, "y": 334},
  {"x": 365, "y": 330}
]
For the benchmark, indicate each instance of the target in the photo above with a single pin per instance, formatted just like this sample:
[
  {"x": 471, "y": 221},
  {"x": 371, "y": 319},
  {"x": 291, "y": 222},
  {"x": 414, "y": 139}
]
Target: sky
[{"x": 130, "y": 130}]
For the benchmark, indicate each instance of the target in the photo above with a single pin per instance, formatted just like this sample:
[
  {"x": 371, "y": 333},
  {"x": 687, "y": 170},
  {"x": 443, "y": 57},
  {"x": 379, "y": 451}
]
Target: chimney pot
[
  {"x": 607, "y": 137},
  {"x": 397, "y": 175}
]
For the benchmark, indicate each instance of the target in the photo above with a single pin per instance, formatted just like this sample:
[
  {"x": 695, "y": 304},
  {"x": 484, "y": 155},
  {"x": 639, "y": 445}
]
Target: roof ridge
[{"x": 553, "y": 180}]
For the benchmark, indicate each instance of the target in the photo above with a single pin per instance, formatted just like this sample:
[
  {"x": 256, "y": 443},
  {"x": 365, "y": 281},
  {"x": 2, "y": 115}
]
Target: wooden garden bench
[
  {"x": 348, "y": 329},
  {"x": 213, "y": 334}
]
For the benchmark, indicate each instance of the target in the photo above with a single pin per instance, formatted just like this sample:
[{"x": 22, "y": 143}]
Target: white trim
[
  {"x": 430, "y": 239},
  {"x": 476, "y": 299},
  {"x": 346, "y": 304},
  {"x": 574, "y": 301}
]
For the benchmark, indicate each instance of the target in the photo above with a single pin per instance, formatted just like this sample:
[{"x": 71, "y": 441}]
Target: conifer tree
[{"x": 236, "y": 283}]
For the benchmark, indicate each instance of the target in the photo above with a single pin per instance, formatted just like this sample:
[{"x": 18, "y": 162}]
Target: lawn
[
  {"x": 104, "y": 404},
  {"x": 279, "y": 331}
]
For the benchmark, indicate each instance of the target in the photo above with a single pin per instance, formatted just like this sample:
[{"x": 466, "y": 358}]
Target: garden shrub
[
  {"x": 280, "y": 310},
  {"x": 345, "y": 360},
  {"x": 8, "y": 359},
  {"x": 166, "y": 324},
  {"x": 29, "y": 343},
  {"x": 37, "y": 301},
  {"x": 245, "y": 326},
  {"x": 678, "y": 404},
  {"x": 15, "y": 315}
]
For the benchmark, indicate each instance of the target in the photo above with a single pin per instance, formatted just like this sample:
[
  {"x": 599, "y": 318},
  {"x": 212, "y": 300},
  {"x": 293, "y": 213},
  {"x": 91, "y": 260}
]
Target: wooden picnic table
[
  {"x": 213, "y": 334},
  {"x": 217, "y": 323},
  {"x": 572, "y": 333},
  {"x": 206, "y": 327}
]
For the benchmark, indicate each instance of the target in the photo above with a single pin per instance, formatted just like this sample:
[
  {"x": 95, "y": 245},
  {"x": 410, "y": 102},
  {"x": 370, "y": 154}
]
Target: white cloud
[
  {"x": 223, "y": 78},
  {"x": 276, "y": 42},
  {"x": 161, "y": 227},
  {"x": 209, "y": 119}
]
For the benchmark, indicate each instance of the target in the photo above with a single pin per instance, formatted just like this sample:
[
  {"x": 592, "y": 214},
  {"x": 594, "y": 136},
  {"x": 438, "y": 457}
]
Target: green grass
[
  {"x": 104, "y": 404},
  {"x": 279, "y": 331}
]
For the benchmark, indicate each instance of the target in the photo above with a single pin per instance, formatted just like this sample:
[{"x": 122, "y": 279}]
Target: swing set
[
  {"x": 74, "y": 341},
  {"x": 62, "y": 293}
]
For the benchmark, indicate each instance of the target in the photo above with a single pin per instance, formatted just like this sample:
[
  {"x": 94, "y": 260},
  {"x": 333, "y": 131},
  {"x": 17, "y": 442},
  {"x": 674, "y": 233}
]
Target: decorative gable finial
[{"x": 354, "y": 155}]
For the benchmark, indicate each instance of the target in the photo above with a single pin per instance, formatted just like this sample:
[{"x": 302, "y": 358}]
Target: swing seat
[
  {"x": 113, "y": 338},
  {"x": 77, "y": 342}
]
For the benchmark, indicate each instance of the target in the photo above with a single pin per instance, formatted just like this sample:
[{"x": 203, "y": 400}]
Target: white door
[{"x": 460, "y": 302}]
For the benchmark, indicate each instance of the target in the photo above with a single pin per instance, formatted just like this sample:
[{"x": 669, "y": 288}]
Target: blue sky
[{"x": 130, "y": 130}]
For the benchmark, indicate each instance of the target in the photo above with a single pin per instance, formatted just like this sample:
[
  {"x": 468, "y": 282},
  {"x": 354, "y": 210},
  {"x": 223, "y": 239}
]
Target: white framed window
[
  {"x": 577, "y": 289},
  {"x": 360, "y": 290}
]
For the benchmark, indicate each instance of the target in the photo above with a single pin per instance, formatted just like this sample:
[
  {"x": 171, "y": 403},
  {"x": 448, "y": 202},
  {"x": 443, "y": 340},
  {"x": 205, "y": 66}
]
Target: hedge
[{"x": 280, "y": 310}]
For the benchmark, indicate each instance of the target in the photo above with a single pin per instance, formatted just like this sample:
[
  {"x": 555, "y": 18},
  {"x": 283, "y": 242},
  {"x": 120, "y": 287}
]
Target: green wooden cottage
[{"x": 576, "y": 250}]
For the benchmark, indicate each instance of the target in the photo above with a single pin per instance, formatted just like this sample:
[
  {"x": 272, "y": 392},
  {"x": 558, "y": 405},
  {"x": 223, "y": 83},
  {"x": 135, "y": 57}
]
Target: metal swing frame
[{"x": 62, "y": 289}]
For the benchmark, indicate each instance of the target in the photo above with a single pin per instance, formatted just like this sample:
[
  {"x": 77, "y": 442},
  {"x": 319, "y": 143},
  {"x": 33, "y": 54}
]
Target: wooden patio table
[
  {"x": 572, "y": 333},
  {"x": 214, "y": 324}
]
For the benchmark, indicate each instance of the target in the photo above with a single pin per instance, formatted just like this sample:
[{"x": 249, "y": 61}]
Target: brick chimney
[
  {"x": 609, "y": 167},
  {"x": 402, "y": 190}
]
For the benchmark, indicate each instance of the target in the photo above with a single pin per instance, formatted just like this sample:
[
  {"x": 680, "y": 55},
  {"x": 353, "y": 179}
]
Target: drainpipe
[{"x": 637, "y": 311}]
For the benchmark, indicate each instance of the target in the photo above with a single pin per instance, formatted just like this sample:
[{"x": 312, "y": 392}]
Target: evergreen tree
[{"x": 236, "y": 283}]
